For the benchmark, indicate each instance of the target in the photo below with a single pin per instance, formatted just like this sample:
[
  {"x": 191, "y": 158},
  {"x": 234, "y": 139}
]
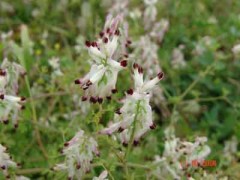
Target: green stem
[
  {"x": 34, "y": 114},
  {"x": 192, "y": 85},
  {"x": 131, "y": 139}
]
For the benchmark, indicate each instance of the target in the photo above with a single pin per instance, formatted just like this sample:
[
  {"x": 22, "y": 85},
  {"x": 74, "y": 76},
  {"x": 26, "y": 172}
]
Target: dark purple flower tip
[
  {"x": 123, "y": 63},
  {"x": 2, "y": 96},
  {"x": 23, "y": 98},
  {"x": 129, "y": 42},
  {"x": 109, "y": 97},
  {"x": 135, "y": 66},
  {"x": 88, "y": 43},
  {"x": 87, "y": 171},
  {"x": 117, "y": 32},
  {"x": 140, "y": 70},
  {"x": 105, "y": 40},
  {"x": 153, "y": 126},
  {"x": 89, "y": 83},
  {"x": 78, "y": 166},
  {"x": 93, "y": 99},
  {"x": 118, "y": 111},
  {"x": 160, "y": 75},
  {"x": 84, "y": 98},
  {"x": 3, "y": 167},
  {"x": 126, "y": 55},
  {"x": 85, "y": 88},
  {"x": 6, "y": 121},
  {"x": 15, "y": 126},
  {"x": 70, "y": 178},
  {"x": 66, "y": 144},
  {"x": 77, "y": 81},
  {"x": 19, "y": 164},
  {"x": 2, "y": 72},
  {"x": 98, "y": 154},
  {"x": 101, "y": 34},
  {"x": 120, "y": 129},
  {"x": 125, "y": 144},
  {"x": 23, "y": 107},
  {"x": 135, "y": 142},
  {"x": 100, "y": 100},
  {"x": 108, "y": 30},
  {"x": 114, "y": 91},
  {"x": 94, "y": 44},
  {"x": 130, "y": 91}
]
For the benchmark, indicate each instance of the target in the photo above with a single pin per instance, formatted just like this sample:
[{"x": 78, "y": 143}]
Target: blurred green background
[{"x": 58, "y": 28}]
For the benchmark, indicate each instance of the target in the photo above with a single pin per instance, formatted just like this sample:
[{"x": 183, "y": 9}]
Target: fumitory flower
[
  {"x": 100, "y": 82},
  {"x": 79, "y": 152},
  {"x": 102, "y": 176},
  {"x": 5, "y": 161},
  {"x": 179, "y": 155},
  {"x": 150, "y": 13},
  {"x": 178, "y": 60},
  {"x": 134, "y": 118},
  {"x": 10, "y": 102}
]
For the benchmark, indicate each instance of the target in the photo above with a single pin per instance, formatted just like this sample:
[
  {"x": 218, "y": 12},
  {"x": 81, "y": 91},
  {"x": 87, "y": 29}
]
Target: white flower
[
  {"x": 150, "y": 13},
  {"x": 79, "y": 152},
  {"x": 100, "y": 82},
  {"x": 236, "y": 50},
  {"x": 10, "y": 103},
  {"x": 5, "y": 160},
  {"x": 230, "y": 150},
  {"x": 179, "y": 155},
  {"x": 178, "y": 60},
  {"x": 204, "y": 44},
  {"x": 135, "y": 116},
  {"x": 159, "y": 30},
  {"x": 103, "y": 176},
  {"x": 54, "y": 62},
  {"x": 22, "y": 178},
  {"x": 150, "y": 2}
]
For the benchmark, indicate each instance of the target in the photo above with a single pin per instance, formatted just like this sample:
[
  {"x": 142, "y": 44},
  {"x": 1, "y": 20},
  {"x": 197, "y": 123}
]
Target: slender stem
[
  {"x": 191, "y": 86},
  {"x": 34, "y": 114},
  {"x": 133, "y": 131},
  {"x": 30, "y": 171},
  {"x": 131, "y": 139},
  {"x": 208, "y": 99},
  {"x": 110, "y": 174}
]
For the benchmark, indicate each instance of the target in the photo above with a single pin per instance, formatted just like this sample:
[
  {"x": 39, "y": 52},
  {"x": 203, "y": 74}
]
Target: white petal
[{"x": 150, "y": 84}]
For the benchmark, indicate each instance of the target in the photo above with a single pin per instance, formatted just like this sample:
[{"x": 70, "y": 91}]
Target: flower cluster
[
  {"x": 150, "y": 12},
  {"x": 100, "y": 82},
  {"x": 135, "y": 116},
  {"x": 145, "y": 49},
  {"x": 79, "y": 152},
  {"x": 179, "y": 155},
  {"x": 5, "y": 161},
  {"x": 10, "y": 102},
  {"x": 230, "y": 150},
  {"x": 178, "y": 60},
  {"x": 54, "y": 62}
]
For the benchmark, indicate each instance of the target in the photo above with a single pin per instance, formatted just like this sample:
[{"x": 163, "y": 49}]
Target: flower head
[
  {"x": 79, "y": 152},
  {"x": 179, "y": 155},
  {"x": 100, "y": 82},
  {"x": 135, "y": 116},
  {"x": 10, "y": 102},
  {"x": 5, "y": 160}
]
